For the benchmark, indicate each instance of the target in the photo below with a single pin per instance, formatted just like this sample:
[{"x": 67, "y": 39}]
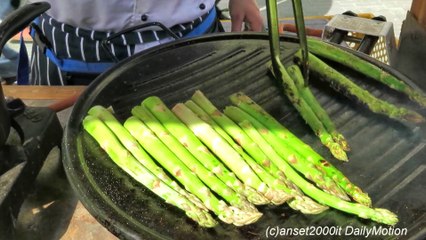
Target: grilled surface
[{"x": 386, "y": 159}]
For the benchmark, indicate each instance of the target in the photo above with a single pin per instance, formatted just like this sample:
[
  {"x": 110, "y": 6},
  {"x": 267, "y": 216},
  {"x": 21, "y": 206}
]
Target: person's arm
[{"x": 245, "y": 11}]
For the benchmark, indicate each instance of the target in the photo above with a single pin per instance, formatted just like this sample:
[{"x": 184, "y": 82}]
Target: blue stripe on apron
[{"x": 204, "y": 26}]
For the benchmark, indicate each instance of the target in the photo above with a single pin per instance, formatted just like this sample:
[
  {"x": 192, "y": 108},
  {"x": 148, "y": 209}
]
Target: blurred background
[{"x": 395, "y": 11}]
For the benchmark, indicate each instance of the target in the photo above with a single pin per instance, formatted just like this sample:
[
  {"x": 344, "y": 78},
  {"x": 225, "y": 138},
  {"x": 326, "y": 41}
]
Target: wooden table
[
  {"x": 53, "y": 210},
  {"x": 42, "y": 92}
]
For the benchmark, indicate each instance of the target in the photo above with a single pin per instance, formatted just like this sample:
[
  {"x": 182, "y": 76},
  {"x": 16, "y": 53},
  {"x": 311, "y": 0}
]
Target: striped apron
[{"x": 66, "y": 55}]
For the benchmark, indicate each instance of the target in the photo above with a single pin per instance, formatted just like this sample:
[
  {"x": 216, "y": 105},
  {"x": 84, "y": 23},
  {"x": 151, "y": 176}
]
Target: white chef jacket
[{"x": 116, "y": 15}]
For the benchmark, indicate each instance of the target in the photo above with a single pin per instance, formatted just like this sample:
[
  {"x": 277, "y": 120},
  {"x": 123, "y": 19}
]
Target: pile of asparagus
[
  {"x": 317, "y": 118},
  {"x": 206, "y": 162}
]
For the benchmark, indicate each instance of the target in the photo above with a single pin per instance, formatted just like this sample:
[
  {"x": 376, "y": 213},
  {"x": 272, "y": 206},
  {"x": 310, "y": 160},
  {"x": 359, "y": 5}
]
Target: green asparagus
[
  {"x": 248, "y": 105},
  {"x": 231, "y": 131},
  {"x": 279, "y": 193},
  {"x": 177, "y": 169},
  {"x": 298, "y": 200},
  {"x": 132, "y": 145},
  {"x": 348, "y": 59},
  {"x": 296, "y": 74},
  {"x": 288, "y": 154},
  {"x": 350, "y": 89},
  {"x": 247, "y": 213},
  {"x": 376, "y": 214},
  {"x": 221, "y": 148},
  {"x": 186, "y": 137},
  {"x": 267, "y": 172},
  {"x": 125, "y": 160},
  {"x": 310, "y": 118}
]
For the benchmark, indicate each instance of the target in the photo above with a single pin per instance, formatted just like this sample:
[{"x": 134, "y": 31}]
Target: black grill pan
[{"x": 387, "y": 158}]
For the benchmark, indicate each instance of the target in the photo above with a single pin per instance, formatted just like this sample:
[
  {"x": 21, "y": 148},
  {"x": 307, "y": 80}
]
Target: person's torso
[{"x": 115, "y": 15}]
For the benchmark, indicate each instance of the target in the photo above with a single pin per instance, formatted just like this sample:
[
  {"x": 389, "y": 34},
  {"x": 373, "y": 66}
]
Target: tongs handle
[
  {"x": 274, "y": 37},
  {"x": 278, "y": 68},
  {"x": 273, "y": 28},
  {"x": 301, "y": 34}
]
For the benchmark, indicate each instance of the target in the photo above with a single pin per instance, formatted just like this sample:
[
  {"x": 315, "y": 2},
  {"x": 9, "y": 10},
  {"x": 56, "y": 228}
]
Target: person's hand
[{"x": 245, "y": 11}]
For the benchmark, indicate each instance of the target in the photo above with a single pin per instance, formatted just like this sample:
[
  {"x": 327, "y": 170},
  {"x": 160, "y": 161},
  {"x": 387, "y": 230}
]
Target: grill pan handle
[
  {"x": 11, "y": 25},
  {"x": 19, "y": 19}
]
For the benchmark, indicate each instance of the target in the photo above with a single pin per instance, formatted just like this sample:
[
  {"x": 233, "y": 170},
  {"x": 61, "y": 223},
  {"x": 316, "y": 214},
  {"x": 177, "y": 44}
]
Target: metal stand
[
  {"x": 40, "y": 132},
  {"x": 374, "y": 36}
]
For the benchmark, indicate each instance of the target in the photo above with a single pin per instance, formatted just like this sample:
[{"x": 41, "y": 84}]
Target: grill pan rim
[{"x": 85, "y": 101}]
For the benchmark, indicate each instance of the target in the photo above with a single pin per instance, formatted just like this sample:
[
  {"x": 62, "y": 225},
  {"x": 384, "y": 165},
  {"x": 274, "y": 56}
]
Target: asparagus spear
[
  {"x": 279, "y": 193},
  {"x": 267, "y": 173},
  {"x": 176, "y": 168},
  {"x": 288, "y": 154},
  {"x": 244, "y": 212},
  {"x": 308, "y": 96},
  {"x": 376, "y": 214},
  {"x": 287, "y": 137},
  {"x": 132, "y": 145},
  {"x": 336, "y": 54},
  {"x": 350, "y": 89},
  {"x": 223, "y": 150},
  {"x": 229, "y": 130},
  {"x": 201, "y": 152},
  {"x": 309, "y": 116},
  {"x": 298, "y": 200},
  {"x": 124, "y": 159}
]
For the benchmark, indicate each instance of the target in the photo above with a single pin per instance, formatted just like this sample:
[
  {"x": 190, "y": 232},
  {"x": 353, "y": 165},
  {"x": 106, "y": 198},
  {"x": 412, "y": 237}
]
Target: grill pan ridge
[{"x": 386, "y": 158}]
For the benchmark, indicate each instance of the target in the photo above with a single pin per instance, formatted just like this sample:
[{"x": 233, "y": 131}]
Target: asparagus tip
[
  {"x": 306, "y": 205},
  {"x": 254, "y": 197},
  {"x": 340, "y": 139},
  {"x": 362, "y": 198},
  {"x": 419, "y": 98},
  {"x": 414, "y": 117},
  {"x": 204, "y": 219},
  {"x": 338, "y": 152},
  {"x": 385, "y": 216},
  {"x": 241, "y": 217},
  {"x": 226, "y": 214},
  {"x": 277, "y": 197},
  {"x": 338, "y": 193}
]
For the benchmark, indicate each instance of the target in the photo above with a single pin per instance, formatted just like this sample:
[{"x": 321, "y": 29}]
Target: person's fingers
[
  {"x": 237, "y": 22},
  {"x": 245, "y": 11},
  {"x": 256, "y": 23}
]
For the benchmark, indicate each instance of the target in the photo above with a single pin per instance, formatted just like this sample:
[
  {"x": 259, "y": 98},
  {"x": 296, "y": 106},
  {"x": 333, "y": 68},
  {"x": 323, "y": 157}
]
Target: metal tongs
[{"x": 274, "y": 38}]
